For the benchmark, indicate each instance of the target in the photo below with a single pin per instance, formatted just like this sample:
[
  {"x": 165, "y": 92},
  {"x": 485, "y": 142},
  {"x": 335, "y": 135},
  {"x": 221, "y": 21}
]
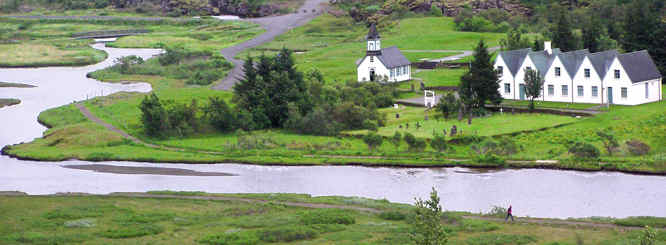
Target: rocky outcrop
[{"x": 452, "y": 8}]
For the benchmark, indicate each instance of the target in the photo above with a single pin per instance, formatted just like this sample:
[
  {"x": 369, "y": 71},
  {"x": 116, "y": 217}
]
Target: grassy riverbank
[
  {"x": 8, "y": 102},
  {"x": 15, "y": 85},
  {"x": 124, "y": 220}
]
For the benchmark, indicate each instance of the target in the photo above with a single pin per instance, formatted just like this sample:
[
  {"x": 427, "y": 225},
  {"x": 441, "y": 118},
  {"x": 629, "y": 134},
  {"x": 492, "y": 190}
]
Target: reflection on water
[{"x": 533, "y": 192}]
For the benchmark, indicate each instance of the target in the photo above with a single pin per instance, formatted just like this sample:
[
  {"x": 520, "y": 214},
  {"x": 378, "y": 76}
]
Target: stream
[{"x": 532, "y": 192}]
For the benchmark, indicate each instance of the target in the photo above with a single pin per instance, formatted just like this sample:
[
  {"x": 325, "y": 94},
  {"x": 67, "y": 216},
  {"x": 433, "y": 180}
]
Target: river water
[{"x": 532, "y": 192}]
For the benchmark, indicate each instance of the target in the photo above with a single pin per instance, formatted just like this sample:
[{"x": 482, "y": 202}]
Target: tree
[
  {"x": 533, "y": 85},
  {"x": 514, "y": 40},
  {"x": 427, "y": 228},
  {"x": 153, "y": 115},
  {"x": 538, "y": 44},
  {"x": 373, "y": 140},
  {"x": 609, "y": 141},
  {"x": 219, "y": 114},
  {"x": 592, "y": 31},
  {"x": 644, "y": 29},
  {"x": 396, "y": 140},
  {"x": 438, "y": 143},
  {"x": 480, "y": 83},
  {"x": 563, "y": 37},
  {"x": 448, "y": 105},
  {"x": 126, "y": 64},
  {"x": 649, "y": 236},
  {"x": 414, "y": 144}
]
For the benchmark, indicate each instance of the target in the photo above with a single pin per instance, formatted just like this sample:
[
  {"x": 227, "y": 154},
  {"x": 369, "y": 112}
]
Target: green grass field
[
  {"x": 440, "y": 77},
  {"x": 122, "y": 220},
  {"x": 419, "y": 56}
]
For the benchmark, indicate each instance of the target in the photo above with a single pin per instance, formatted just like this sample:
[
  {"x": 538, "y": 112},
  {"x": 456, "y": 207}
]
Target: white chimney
[{"x": 547, "y": 48}]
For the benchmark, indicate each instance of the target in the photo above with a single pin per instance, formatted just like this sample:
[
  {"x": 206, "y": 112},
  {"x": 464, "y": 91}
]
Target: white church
[
  {"x": 580, "y": 76},
  {"x": 382, "y": 64}
]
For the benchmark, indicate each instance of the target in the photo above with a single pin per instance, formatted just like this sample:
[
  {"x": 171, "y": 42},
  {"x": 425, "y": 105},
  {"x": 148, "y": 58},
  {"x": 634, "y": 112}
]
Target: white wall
[
  {"x": 557, "y": 82},
  {"x": 403, "y": 76},
  {"x": 363, "y": 70},
  {"x": 580, "y": 80},
  {"x": 505, "y": 78},
  {"x": 520, "y": 77}
]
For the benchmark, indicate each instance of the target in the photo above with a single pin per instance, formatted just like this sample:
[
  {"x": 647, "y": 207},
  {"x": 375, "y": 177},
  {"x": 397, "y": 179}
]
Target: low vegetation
[
  {"x": 9, "y": 102},
  {"x": 121, "y": 220},
  {"x": 15, "y": 85}
]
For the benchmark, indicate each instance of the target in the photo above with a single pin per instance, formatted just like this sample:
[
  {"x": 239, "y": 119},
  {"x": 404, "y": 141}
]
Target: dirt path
[
  {"x": 464, "y": 53},
  {"x": 518, "y": 220},
  {"x": 275, "y": 26}
]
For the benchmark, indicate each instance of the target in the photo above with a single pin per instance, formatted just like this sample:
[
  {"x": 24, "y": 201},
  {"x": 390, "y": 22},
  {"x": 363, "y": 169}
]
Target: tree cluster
[{"x": 479, "y": 85}]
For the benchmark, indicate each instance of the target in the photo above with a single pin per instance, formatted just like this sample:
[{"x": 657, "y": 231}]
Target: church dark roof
[
  {"x": 372, "y": 33},
  {"x": 392, "y": 57},
  {"x": 639, "y": 66}
]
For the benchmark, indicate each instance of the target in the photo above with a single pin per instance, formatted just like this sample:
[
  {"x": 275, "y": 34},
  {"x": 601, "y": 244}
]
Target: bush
[
  {"x": 584, "y": 150},
  {"x": 392, "y": 215},
  {"x": 231, "y": 238},
  {"x": 497, "y": 211},
  {"x": 373, "y": 140},
  {"x": 435, "y": 11},
  {"x": 414, "y": 144},
  {"x": 287, "y": 234},
  {"x": 327, "y": 216},
  {"x": 642, "y": 221},
  {"x": 438, "y": 143},
  {"x": 127, "y": 64},
  {"x": 637, "y": 147}
]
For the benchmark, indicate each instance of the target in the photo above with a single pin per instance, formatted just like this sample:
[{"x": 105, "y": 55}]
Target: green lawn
[
  {"x": 122, "y": 220},
  {"x": 440, "y": 77},
  {"x": 496, "y": 124},
  {"x": 549, "y": 104},
  {"x": 333, "y": 45},
  {"x": 419, "y": 56}
]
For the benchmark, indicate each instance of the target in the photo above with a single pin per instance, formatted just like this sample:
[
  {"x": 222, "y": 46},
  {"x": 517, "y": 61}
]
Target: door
[
  {"x": 610, "y": 95},
  {"x": 372, "y": 75},
  {"x": 522, "y": 92}
]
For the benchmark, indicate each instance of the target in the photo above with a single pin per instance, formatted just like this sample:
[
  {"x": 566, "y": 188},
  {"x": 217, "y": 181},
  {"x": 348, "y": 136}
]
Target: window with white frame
[
  {"x": 623, "y": 92},
  {"x": 617, "y": 74},
  {"x": 565, "y": 90},
  {"x": 595, "y": 91},
  {"x": 372, "y": 59},
  {"x": 392, "y": 72},
  {"x": 500, "y": 70},
  {"x": 404, "y": 70},
  {"x": 557, "y": 71},
  {"x": 398, "y": 71},
  {"x": 551, "y": 90},
  {"x": 580, "y": 91},
  {"x": 507, "y": 88},
  {"x": 587, "y": 73}
]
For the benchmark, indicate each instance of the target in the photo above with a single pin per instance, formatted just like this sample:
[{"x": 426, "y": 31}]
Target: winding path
[{"x": 275, "y": 26}]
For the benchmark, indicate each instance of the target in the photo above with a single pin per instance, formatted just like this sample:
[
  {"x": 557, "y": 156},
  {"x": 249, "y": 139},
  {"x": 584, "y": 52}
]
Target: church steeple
[{"x": 374, "y": 44}]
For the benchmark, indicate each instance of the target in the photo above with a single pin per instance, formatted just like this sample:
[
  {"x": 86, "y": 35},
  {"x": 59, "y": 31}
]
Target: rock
[{"x": 80, "y": 223}]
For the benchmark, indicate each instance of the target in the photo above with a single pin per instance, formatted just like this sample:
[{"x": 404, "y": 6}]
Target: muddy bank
[
  {"x": 102, "y": 168},
  {"x": 9, "y": 102},
  {"x": 15, "y": 85}
]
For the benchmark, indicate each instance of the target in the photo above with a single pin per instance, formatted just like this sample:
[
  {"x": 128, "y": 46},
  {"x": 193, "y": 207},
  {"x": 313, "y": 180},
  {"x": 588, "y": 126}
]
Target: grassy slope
[
  {"x": 8, "y": 102},
  {"x": 440, "y": 77},
  {"x": 42, "y": 220}
]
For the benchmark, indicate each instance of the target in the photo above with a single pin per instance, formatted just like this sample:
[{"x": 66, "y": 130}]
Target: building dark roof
[
  {"x": 542, "y": 60},
  {"x": 601, "y": 61},
  {"x": 514, "y": 59},
  {"x": 392, "y": 57},
  {"x": 639, "y": 66},
  {"x": 372, "y": 33},
  {"x": 572, "y": 60}
]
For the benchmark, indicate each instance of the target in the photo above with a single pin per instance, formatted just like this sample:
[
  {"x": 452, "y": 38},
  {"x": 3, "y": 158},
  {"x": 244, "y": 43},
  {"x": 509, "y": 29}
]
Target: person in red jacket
[{"x": 508, "y": 214}]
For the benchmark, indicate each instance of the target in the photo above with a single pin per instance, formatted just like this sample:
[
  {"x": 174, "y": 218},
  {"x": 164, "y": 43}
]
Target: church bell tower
[{"x": 374, "y": 44}]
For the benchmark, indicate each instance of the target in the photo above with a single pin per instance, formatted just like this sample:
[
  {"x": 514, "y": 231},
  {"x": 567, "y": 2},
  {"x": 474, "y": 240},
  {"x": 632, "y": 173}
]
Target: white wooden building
[
  {"x": 582, "y": 77},
  {"x": 382, "y": 64}
]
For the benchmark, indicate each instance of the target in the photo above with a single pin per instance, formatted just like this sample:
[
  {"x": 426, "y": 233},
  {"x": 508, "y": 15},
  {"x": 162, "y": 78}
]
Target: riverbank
[
  {"x": 9, "y": 102},
  {"x": 189, "y": 217},
  {"x": 15, "y": 85}
]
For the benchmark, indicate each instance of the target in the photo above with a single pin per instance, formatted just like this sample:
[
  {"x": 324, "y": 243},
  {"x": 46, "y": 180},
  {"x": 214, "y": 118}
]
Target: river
[{"x": 532, "y": 192}]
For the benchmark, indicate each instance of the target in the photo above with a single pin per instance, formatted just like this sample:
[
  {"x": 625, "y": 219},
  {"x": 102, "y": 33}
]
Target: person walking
[{"x": 508, "y": 214}]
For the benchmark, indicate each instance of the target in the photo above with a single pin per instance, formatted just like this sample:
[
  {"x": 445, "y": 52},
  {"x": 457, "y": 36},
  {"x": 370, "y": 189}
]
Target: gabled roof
[
  {"x": 542, "y": 60},
  {"x": 572, "y": 60},
  {"x": 639, "y": 66},
  {"x": 514, "y": 59},
  {"x": 372, "y": 33},
  {"x": 601, "y": 61},
  {"x": 392, "y": 57}
]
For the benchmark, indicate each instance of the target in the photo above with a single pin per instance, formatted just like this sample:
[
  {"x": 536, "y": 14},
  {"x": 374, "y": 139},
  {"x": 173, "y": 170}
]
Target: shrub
[
  {"x": 130, "y": 231},
  {"x": 414, "y": 144},
  {"x": 231, "y": 238},
  {"x": 641, "y": 221},
  {"x": 438, "y": 143},
  {"x": 218, "y": 114},
  {"x": 584, "y": 150},
  {"x": 287, "y": 234},
  {"x": 637, "y": 147},
  {"x": 435, "y": 11},
  {"x": 327, "y": 216},
  {"x": 497, "y": 211},
  {"x": 373, "y": 140},
  {"x": 501, "y": 239},
  {"x": 392, "y": 215},
  {"x": 127, "y": 64}
]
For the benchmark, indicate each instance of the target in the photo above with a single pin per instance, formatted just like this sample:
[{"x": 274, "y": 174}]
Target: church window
[
  {"x": 372, "y": 59},
  {"x": 404, "y": 70},
  {"x": 392, "y": 72}
]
